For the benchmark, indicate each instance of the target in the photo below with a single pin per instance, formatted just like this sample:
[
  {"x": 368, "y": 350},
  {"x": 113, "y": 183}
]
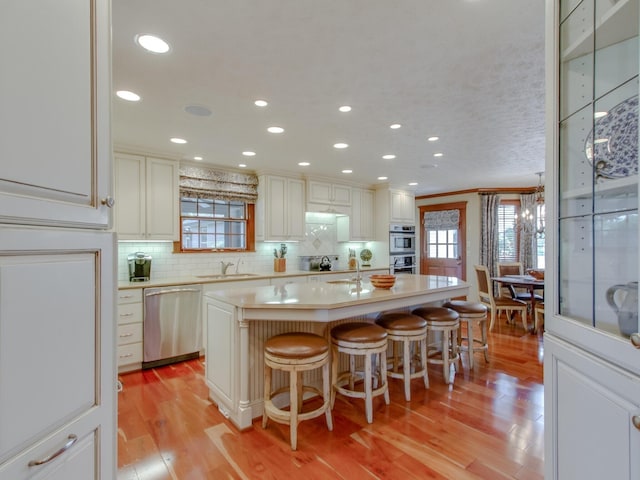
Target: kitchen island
[{"x": 238, "y": 321}]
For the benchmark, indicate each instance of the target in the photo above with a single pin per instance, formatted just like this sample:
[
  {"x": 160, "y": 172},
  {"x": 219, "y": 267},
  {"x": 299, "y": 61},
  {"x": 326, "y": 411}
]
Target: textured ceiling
[{"x": 468, "y": 71}]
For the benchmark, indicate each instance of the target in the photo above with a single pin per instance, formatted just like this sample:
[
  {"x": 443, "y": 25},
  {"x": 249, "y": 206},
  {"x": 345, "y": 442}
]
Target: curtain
[
  {"x": 197, "y": 182},
  {"x": 527, "y": 232},
  {"x": 489, "y": 203}
]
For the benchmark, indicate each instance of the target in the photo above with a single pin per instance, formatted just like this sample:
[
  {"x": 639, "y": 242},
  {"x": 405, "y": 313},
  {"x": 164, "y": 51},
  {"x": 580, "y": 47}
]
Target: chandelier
[{"x": 533, "y": 221}]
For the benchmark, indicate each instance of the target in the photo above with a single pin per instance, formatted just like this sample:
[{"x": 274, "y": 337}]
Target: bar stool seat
[
  {"x": 406, "y": 329},
  {"x": 447, "y": 321},
  {"x": 470, "y": 313},
  {"x": 359, "y": 339},
  {"x": 296, "y": 353}
]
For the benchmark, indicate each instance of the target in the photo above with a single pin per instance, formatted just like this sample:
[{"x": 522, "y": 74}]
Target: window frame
[
  {"x": 249, "y": 221},
  {"x": 517, "y": 208}
]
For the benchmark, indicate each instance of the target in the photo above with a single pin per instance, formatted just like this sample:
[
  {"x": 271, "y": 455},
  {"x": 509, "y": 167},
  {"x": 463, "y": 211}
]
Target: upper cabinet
[
  {"x": 280, "y": 209},
  {"x": 393, "y": 206},
  {"x": 148, "y": 198},
  {"x": 55, "y": 166},
  {"x": 592, "y": 368},
  {"x": 328, "y": 193},
  {"x": 359, "y": 226}
]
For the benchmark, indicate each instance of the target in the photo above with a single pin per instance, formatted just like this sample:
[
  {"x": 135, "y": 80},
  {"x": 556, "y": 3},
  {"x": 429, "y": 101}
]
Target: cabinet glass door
[{"x": 598, "y": 164}]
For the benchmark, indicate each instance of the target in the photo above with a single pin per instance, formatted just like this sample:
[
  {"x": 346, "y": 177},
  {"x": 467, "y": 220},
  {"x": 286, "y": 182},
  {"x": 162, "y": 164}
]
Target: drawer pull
[
  {"x": 70, "y": 441},
  {"x": 126, "y": 296},
  {"x": 127, "y": 355},
  {"x": 126, "y": 314},
  {"x": 124, "y": 335},
  {"x": 635, "y": 340},
  {"x": 636, "y": 421}
]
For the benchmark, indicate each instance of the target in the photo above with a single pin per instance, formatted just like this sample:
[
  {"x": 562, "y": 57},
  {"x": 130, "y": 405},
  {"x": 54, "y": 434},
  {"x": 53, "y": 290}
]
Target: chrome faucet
[
  {"x": 224, "y": 266},
  {"x": 358, "y": 276},
  {"x": 238, "y": 264}
]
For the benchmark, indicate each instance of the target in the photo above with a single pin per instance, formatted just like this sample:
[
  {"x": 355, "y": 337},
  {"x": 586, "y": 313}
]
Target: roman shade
[{"x": 199, "y": 182}]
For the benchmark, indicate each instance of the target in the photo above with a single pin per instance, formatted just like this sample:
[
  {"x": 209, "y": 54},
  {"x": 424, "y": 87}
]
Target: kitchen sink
[{"x": 220, "y": 276}]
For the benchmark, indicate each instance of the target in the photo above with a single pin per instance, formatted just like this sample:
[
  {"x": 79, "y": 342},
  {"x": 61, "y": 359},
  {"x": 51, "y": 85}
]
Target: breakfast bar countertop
[{"x": 333, "y": 300}]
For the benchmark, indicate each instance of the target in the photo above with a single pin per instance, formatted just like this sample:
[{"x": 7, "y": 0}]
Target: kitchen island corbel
[{"x": 238, "y": 322}]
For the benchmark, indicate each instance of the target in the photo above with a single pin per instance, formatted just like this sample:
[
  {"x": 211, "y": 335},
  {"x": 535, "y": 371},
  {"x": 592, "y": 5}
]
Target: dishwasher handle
[{"x": 171, "y": 290}]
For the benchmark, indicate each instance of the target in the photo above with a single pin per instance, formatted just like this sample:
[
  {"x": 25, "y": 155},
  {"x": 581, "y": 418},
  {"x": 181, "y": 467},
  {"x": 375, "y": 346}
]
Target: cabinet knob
[
  {"x": 636, "y": 421},
  {"x": 635, "y": 340},
  {"x": 108, "y": 201}
]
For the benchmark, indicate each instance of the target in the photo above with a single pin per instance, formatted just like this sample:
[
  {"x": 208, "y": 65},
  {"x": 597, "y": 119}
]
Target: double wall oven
[{"x": 402, "y": 248}]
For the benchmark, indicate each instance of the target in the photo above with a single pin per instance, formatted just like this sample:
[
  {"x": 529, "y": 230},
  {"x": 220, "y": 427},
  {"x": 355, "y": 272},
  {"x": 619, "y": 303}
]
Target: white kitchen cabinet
[
  {"x": 359, "y": 226},
  {"x": 129, "y": 335},
  {"x": 328, "y": 193},
  {"x": 57, "y": 284},
  {"x": 55, "y": 134},
  {"x": 280, "y": 209},
  {"x": 67, "y": 388},
  {"x": 148, "y": 198},
  {"x": 592, "y": 363},
  {"x": 393, "y": 206}
]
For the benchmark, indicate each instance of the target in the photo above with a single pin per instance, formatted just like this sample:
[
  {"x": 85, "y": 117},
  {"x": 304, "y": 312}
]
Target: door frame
[{"x": 462, "y": 237}]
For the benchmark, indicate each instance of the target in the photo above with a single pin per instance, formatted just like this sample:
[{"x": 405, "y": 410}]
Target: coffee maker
[{"x": 139, "y": 267}]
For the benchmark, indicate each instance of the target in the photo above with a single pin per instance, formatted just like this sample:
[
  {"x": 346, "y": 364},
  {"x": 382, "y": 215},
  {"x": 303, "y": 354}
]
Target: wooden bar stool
[
  {"x": 470, "y": 313},
  {"x": 364, "y": 339},
  {"x": 405, "y": 328},
  {"x": 296, "y": 353},
  {"x": 445, "y": 320}
]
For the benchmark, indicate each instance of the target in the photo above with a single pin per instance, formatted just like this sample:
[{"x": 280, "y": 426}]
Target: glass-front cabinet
[
  {"x": 591, "y": 344},
  {"x": 598, "y": 164}
]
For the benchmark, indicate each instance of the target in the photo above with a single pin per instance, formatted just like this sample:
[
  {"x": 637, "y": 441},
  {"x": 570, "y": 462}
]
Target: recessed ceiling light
[
  {"x": 345, "y": 108},
  {"x": 249, "y": 154},
  {"x": 198, "y": 110},
  {"x": 127, "y": 95},
  {"x": 178, "y": 140},
  {"x": 242, "y": 165},
  {"x": 275, "y": 129},
  {"x": 304, "y": 164},
  {"x": 433, "y": 139},
  {"x": 152, "y": 43},
  {"x": 395, "y": 126},
  {"x": 413, "y": 184},
  {"x": 438, "y": 154},
  {"x": 599, "y": 114},
  {"x": 197, "y": 158},
  {"x": 340, "y": 145},
  {"x": 347, "y": 171},
  {"x": 261, "y": 103},
  {"x": 389, "y": 157},
  {"x": 383, "y": 178}
]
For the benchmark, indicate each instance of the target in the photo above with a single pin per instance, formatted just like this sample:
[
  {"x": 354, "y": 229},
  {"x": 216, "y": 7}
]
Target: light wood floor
[{"x": 488, "y": 425}]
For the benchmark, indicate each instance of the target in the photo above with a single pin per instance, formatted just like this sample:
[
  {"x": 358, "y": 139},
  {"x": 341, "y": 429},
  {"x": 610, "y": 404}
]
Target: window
[
  {"x": 210, "y": 223},
  {"x": 508, "y": 237},
  {"x": 442, "y": 243}
]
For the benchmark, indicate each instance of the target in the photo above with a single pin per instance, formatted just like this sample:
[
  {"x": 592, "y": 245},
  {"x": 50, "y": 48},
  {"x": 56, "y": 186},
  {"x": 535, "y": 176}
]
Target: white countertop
[
  {"x": 190, "y": 280},
  {"x": 330, "y": 301}
]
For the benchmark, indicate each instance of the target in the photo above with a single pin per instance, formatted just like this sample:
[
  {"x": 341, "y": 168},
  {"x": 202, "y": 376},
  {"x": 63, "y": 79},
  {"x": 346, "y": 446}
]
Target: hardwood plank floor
[{"x": 488, "y": 425}]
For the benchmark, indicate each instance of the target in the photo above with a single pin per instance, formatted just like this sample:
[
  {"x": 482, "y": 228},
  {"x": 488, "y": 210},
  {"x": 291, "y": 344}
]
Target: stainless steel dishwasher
[{"x": 172, "y": 324}]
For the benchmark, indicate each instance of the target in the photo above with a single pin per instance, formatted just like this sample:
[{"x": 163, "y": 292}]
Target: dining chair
[
  {"x": 515, "y": 268},
  {"x": 499, "y": 303}
]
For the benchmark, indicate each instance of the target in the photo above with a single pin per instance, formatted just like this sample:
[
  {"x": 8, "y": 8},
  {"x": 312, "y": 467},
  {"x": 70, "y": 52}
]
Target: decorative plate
[
  {"x": 615, "y": 150},
  {"x": 365, "y": 255}
]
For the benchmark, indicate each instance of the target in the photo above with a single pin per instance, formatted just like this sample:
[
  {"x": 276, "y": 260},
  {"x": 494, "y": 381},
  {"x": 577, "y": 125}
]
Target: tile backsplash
[{"x": 320, "y": 239}]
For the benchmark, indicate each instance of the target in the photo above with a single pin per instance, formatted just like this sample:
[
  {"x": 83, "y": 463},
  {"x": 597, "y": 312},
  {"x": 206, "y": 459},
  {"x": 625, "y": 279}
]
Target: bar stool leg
[
  {"x": 445, "y": 355},
  {"x": 368, "y": 400},
  {"x": 406, "y": 368},
  {"x": 293, "y": 408},
  {"x": 383, "y": 368},
  {"x": 326, "y": 394},
  {"x": 423, "y": 357},
  {"x": 470, "y": 341},
  {"x": 334, "y": 371},
  {"x": 267, "y": 392},
  {"x": 483, "y": 329}
]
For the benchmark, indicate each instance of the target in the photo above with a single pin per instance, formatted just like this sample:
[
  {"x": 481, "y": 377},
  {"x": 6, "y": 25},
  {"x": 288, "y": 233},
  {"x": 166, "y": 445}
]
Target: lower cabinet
[
  {"x": 596, "y": 407},
  {"x": 57, "y": 355},
  {"x": 129, "y": 337}
]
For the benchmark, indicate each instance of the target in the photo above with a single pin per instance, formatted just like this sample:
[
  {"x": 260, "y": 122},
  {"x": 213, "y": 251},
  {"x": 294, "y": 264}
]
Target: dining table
[{"x": 522, "y": 281}]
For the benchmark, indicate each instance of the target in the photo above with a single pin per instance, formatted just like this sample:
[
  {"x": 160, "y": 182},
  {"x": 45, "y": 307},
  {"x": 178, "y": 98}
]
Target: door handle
[
  {"x": 635, "y": 340},
  {"x": 636, "y": 421},
  {"x": 459, "y": 261}
]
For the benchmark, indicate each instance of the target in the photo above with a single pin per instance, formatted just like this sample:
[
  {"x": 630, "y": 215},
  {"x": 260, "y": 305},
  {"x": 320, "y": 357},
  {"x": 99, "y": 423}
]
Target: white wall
[{"x": 320, "y": 239}]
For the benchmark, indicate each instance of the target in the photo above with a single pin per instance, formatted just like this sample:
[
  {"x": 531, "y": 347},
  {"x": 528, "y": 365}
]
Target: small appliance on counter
[
  {"x": 139, "y": 267},
  {"x": 317, "y": 262}
]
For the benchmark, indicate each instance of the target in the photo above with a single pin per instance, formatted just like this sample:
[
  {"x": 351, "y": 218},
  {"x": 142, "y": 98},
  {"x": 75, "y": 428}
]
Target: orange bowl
[
  {"x": 537, "y": 274},
  {"x": 382, "y": 281}
]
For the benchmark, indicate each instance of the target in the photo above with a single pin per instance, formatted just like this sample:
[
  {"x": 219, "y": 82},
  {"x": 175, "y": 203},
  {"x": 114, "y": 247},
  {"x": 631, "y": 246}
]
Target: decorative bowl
[
  {"x": 382, "y": 281},
  {"x": 537, "y": 274}
]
